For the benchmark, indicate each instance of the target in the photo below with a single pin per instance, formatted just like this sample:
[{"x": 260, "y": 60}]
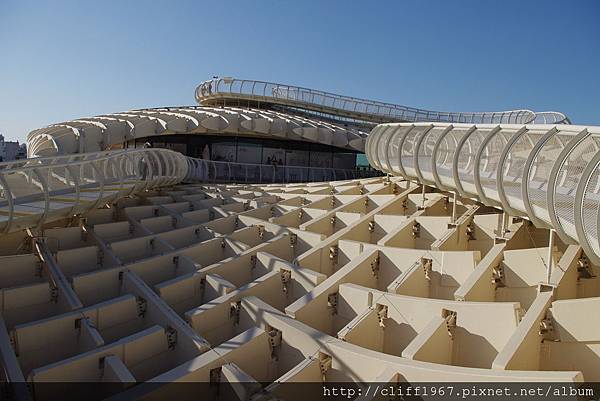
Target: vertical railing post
[
  {"x": 550, "y": 246},
  {"x": 10, "y": 199},
  {"x": 454, "y": 208},
  {"x": 46, "y": 190},
  {"x": 502, "y": 224}
]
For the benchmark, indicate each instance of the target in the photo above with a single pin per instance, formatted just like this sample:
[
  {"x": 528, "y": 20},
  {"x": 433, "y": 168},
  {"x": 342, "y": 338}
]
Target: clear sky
[{"x": 61, "y": 60}]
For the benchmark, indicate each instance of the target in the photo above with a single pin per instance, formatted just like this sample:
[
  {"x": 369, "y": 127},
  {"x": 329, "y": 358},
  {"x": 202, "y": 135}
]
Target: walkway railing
[
  {"x": 547, "y": 173},
  {"x": 221, "y": 171},
  {"x": 39, "y": 190},
  {"x": 223, "y": 89}
]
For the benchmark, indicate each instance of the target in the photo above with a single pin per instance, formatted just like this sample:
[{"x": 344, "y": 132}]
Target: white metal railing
[
  {"x": 221, "y": 171},
  {"x": 369, "y": 110},
  {"x": 39, "y": 190},
  {"x": 549, "y": 174}
]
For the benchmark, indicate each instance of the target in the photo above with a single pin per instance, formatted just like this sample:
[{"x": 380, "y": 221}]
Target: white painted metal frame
[
  {"x": 40, "y": 190},
  {"x": 101, "y": 132},
  {"x": 571, "y": 188},
  {"x": 202, "y": 170},
  {"x": 351, "y": 107}
]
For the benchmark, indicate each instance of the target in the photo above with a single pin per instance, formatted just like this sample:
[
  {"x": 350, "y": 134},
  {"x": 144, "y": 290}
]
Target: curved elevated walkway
[
  {"x": 34, "y": 192},
  {"x": 231, "y": 91},
  {"x": 547, "y": 173},
  {"x": 256, "y": 108}
]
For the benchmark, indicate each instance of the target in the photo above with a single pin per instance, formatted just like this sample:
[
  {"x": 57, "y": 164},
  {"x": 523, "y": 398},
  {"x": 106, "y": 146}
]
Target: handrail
[
  {"x": 549, "y": 174},
  {"x": 223, "y": 171},
  {"x": 550, "y": 117},
  {"x": 211, "y": 91},
  {"x": 40, "y": 190},
  {"x": 37, "y": 191}
]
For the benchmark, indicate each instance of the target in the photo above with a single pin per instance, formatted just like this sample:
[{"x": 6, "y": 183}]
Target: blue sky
[{"x": 61, "y": 60}]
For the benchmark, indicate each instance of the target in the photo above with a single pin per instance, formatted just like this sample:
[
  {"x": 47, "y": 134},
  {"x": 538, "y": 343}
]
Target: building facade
[{"x": 12, "y": 150}]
